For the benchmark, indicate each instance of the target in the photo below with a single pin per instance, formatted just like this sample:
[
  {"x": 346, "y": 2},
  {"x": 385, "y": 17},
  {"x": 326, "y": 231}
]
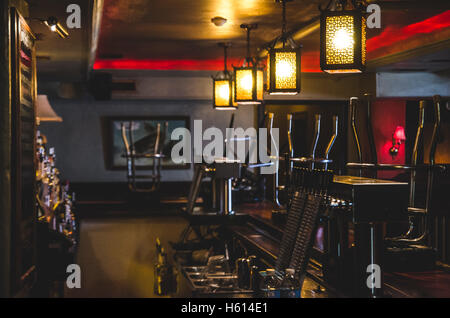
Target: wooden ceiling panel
[{"x": 182, "y": 29}]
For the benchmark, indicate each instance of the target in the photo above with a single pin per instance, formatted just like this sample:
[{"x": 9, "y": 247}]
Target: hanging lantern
[
  {"x": 283, "y": 65},
  {"x": 223, "y": 86},
  {"x": 249, "y": 79},
  {"x": 342, "y": 39},
  {"x": 283, "y": 71}
]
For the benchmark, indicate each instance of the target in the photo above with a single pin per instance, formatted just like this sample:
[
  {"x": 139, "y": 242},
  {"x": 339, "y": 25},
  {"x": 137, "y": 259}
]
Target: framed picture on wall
[{"x": 143, "y": 138}]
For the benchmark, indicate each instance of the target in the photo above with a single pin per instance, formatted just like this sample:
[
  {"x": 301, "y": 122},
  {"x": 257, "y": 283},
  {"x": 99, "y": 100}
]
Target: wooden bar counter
[{"x": 262, "y": 236}]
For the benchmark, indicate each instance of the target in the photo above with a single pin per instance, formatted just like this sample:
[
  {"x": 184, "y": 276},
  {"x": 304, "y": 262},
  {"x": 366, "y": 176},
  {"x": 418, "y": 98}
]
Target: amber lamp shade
[
  {"x": 249, "y": 86},
  {"x": 223, "y": 88},
  {"x": 44, "y": 111},
  {"x": 342, "y": 41},
  {"x": 283, "y": 71}
]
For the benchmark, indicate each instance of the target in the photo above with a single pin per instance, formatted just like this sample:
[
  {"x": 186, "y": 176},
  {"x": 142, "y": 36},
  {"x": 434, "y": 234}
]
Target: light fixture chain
[
  {"x": 225, "y": 58},
  {"x": 284, "y": 27},
  {"x": 248, "y": 44}
]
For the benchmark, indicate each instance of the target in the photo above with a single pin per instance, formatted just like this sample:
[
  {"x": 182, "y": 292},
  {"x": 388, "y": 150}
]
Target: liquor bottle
[
  {"x": 164, "y": 280},
  {"x": 40, "y": 153},
  {"x": 290, "y": 285}
]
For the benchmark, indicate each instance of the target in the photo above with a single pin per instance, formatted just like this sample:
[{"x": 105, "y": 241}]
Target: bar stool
[{"x": 131, "y": 155}]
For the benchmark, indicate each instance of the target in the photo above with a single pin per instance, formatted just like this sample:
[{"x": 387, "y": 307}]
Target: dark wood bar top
[
  {"x": 433, "y": 283},
  {"x": 429, "y": 284},
  {"x": 255, "y": 231},
  {"x": 261, "y": 211}
]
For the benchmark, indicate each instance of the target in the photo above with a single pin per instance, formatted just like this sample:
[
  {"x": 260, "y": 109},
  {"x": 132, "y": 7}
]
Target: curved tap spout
[
  {"x": 333, "y": 139},
  {"x": 315, "y": 138}
]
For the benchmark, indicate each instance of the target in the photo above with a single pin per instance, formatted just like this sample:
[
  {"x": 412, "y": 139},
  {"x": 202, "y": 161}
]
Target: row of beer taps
[{"x": 312, "y": 160}]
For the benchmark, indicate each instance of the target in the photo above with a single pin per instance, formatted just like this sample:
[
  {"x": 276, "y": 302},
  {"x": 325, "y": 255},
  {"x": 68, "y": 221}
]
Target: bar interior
[{"x": 210, "y": 148}]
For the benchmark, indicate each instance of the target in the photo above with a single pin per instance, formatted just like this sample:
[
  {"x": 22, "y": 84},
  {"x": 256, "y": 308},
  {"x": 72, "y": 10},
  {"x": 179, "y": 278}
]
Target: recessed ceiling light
[{"x": 218, "y": 21}]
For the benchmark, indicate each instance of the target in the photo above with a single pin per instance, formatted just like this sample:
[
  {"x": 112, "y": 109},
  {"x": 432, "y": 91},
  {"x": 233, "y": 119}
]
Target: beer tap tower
[{"x": 311, "y": 161}]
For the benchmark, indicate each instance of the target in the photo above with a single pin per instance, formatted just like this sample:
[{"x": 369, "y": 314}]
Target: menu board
[{"x": 23, "y": 78}]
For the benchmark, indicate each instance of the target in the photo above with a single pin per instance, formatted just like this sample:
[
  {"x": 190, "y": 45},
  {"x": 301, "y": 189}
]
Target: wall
[
  {"x": 78, "y": 139},
  {"x": 413, "y": 84},
  {"x": 303, "y": 128},
  {"x": 324, "y": 86},
  {"x": 387, "y": 114}
]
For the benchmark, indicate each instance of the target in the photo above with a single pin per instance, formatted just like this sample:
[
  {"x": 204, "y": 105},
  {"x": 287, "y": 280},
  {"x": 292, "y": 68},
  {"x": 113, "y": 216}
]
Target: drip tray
[{"x": 214, "y": 283}]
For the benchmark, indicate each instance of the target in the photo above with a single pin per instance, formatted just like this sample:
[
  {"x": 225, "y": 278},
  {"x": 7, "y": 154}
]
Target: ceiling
[
  {"x": 60, "y": 59},
  {"x": 182, "y": 29},
  {"x": 178, "y": 34}
]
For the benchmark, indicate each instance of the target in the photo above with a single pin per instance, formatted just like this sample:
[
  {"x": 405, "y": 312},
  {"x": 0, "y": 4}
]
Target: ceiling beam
[{"x": 297, "y": 34}]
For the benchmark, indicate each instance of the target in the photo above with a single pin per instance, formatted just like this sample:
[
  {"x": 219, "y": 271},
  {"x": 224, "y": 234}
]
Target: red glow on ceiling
[
  {"x": 188, "y": 65},
  {"x": 310, "y": 60},
  {"x": 395, "y": 34},
  {"x": 310, "y": 63}
]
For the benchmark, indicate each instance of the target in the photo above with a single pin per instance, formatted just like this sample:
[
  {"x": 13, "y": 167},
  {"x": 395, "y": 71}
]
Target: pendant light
[
  {"x": 342, "y": 38},
  {"x": 249, "y": 78},
  {"x": 223, "y": 86},
  {"x": 283, "y": 65}
]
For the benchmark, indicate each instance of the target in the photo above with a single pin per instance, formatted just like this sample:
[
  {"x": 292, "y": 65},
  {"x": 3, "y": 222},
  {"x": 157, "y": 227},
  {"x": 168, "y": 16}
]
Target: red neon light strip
[
  {"x": 311, "y": 60},
  {"x": 395, "y": 34},
  {"x": 189, "y": 65}
]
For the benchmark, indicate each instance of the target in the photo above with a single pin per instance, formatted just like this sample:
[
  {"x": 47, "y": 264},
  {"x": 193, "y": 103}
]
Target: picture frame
[{"x": 144, "y": 134}]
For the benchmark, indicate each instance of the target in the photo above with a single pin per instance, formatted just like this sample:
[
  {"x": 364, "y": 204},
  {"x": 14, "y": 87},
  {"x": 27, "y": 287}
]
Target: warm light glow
[
  {"x": 285, "y": 70},
  {"x": 283, "y": 93},
  {"x": 225, "y": 108},
  {"x": 259, "y": 84},
  {"x": 220, "y": 8},
  {"x": 348, "y": 70},
  {"x": 244, "y": 81},
  {"x": 247, "y": 81},
  {"x": 343, "y": 45},
  {"x": 343, "y": 39},
  {"x": 363, "y": 42},
  {"x": 222, "y": 93},
  {"x": 244, "y": 86},
  {"x": 223, "y": 96},
  {"x": 339, "y": 40}
]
